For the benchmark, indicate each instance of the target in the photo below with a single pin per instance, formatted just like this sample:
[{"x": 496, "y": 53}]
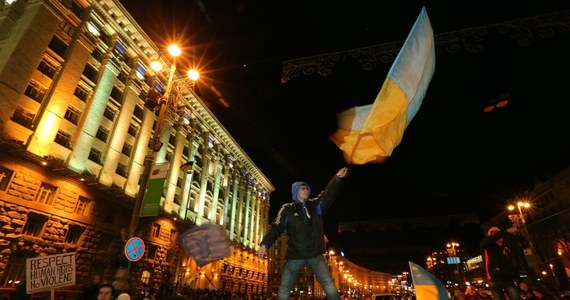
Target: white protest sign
[{"x": 49, "y": 272}]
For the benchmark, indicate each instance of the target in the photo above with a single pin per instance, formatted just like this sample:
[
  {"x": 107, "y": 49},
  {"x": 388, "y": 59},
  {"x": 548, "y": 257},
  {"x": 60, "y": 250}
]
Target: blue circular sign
[{"x": 134, "y": 249}]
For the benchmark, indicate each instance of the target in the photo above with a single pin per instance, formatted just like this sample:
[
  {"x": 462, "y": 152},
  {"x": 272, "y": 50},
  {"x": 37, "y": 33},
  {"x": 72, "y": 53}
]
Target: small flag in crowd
[
  {"x": 370, "y": 133},
  {"x": 206, "y": 243},
  {"x": 427, "y": 286}
]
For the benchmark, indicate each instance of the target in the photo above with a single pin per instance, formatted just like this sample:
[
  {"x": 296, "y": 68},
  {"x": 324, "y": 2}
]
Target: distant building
[
  {"x": 385, "y": 246},
  {"x": 74, "y": 132}
]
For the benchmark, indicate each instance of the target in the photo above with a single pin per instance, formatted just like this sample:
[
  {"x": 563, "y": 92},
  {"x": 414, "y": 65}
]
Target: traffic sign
[{"x": 134, "y": 249}]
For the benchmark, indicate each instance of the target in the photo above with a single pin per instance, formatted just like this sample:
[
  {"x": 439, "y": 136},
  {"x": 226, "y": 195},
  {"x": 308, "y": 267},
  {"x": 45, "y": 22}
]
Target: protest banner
[{"x": 48, "y": 272}]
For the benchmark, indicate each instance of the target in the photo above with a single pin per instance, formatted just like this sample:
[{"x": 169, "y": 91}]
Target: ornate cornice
[{"x": 524, "y": 31}]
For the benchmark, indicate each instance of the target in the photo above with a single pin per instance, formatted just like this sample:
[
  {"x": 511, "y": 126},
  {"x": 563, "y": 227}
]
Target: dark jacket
[
  {"x": 303, "y": 222},
  {"x": 498, "y": 259}
]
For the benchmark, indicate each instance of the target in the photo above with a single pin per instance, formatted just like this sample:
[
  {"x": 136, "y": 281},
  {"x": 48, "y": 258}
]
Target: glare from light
[
  {"x": 156, "y": 66},
  {"x": 193, "y": 75},
  {"x": 523, "y": 204},
  {"x": 174, "y": 50}
]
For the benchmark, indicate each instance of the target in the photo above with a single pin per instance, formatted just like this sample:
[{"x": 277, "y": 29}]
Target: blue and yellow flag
[
  {"x": 370, "y": 133},
  {"x": 427, "y": 286}
]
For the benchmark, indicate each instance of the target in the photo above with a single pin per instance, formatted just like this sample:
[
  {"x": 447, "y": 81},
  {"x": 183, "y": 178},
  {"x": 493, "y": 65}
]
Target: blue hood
[{"x": 295, "y": 189}]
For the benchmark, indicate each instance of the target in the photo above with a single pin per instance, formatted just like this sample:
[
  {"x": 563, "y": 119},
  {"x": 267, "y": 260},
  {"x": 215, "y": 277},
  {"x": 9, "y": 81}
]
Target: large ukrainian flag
[
  {"x": 427, "y": 286},
  {"x": 370, "y": 133}
]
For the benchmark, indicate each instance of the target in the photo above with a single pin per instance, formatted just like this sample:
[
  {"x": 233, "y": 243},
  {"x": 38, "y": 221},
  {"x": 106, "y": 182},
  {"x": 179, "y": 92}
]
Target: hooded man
[{"x": 302, "y": 219}]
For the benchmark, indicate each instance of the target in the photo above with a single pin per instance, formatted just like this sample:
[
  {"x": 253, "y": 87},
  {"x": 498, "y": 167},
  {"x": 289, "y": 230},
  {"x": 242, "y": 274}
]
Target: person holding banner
[{"x": 302, "y": 219}]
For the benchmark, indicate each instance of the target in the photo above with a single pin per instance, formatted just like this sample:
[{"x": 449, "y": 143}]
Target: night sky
[{"x": 454, "y": 158}]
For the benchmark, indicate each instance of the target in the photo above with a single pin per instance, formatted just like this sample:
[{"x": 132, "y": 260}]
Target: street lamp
[
  {"x": 174, "y": 51},
  {"x": 451, "y": 246},
  {"x": 520, "y": 205},
  {"x": 530, "y": 252}
]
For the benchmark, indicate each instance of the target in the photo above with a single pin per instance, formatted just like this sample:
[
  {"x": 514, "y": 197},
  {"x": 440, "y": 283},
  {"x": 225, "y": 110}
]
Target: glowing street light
[
  {"x": 530, "y": 252},
  {"x": 451, "y": 246},
  {"x": 164, "y": 102},
  {"x": 519, "y": 206}
]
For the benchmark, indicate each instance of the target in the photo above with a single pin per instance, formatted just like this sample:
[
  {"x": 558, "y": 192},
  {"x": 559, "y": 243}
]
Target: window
[
  {"x": 72, "y": 115},
  {"x": 81, "y": 93},
  {"x": 155, "y": 231},
  {"x": 139, "y": 112},
  {"x": 90, "y": 72},
  {"x": 102, "y": 133},
  {"x": 82, "y": 206},
  {"x": 122, "y": 77},
  {"x": 109, "y": 214},
  {"x": 95, "y": 155},
  {"x": 63, "y": 138},
  {"x": 121, "y": 169},
  {"x": 109, "y": 113},
  {"x": 127, "y": 148},
  {"x": 133, "y": 130},
  {"x": 46, "y": 193},
  {"x": 5, "y": 178},
  {"x": 145, "y": 277},
  {"x": 173, "y": 235},
  {"x": 23, "y": 117},
  {"x": 192, "y": 201},
  {"x": 15, "y": 272},
  {"x": 47, "y": 69},
  {"x": 172, "y": 140},
  {"x": 58, "y": 46},
  {"x": 119, "y": 49},
  {"x": 151, "y": 251},
  {"x": 117, "y": 94},
  {"x": 73, "y": 234},
  {"x": 35, "y": 91},
  {"x": 34, "y": 224},
  {"x": 97, "y": 54}
]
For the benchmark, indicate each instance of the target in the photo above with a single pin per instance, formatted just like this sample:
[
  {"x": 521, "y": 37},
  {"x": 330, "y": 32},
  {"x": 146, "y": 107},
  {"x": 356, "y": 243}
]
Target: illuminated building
[{"x": 74, "y": 131}]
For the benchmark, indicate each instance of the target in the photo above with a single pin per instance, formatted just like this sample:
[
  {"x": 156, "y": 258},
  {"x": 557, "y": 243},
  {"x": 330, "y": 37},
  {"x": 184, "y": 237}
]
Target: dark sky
[{"x": 453, "y": 159}]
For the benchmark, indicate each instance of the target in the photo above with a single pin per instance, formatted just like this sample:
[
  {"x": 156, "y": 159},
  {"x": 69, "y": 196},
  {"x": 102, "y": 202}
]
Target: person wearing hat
[
  {"x": 497, "y": 259},
  {"x": 302, "y": 220}
]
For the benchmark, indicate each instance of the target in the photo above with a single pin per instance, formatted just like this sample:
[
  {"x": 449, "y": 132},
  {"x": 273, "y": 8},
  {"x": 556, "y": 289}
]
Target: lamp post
[
  {"x": 174, "y": 51},
  {"x": 530, "y": 252},
  {"x": 458, "y": 270},
  {"x": 520, "y": 205}
]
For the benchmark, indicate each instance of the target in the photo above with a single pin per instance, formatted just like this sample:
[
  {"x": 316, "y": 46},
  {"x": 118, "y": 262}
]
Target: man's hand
[
  {"x": 342, "y": 172},
  {"x": 261, "y": 251}
]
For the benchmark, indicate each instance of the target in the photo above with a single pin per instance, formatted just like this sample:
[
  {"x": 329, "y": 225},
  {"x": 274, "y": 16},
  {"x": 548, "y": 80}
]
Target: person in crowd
[
  {"x": 541, "y": 293},
  {"x": 499, "y": 270},
  {"x": 526, "y": 292},
  {"x": 471, "y": 293},
  {"x": 302, "y": 219},
  {"x": 124, "y": 296},
  {"x": 19, "y": 292},
  {"x": 457, "y": 294},
  {"x": 106, "y": 292},
  {"x": 91, "y": 290}
]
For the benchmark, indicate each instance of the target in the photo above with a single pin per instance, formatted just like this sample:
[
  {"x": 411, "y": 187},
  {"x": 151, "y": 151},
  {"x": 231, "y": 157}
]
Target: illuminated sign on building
[{"x": 453, "y": 260}]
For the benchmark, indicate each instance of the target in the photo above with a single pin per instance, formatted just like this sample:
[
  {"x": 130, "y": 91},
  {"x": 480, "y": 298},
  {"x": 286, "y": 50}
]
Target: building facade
[{"x": 74, "y": 133}]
